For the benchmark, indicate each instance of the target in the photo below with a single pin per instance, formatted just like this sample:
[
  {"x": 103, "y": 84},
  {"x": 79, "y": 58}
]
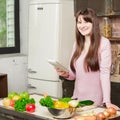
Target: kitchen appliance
[{"x": 51, "y": 36}]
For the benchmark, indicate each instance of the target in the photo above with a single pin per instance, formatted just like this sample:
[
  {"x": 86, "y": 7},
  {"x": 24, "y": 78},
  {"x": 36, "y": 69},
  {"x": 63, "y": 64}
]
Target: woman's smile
[{"x": 83, "y": 29}]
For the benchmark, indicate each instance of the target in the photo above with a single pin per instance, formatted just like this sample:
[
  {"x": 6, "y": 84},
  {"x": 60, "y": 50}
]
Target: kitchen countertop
[
  {"x": 115, "y": 78},
  {"x": 41, "y": 112}
]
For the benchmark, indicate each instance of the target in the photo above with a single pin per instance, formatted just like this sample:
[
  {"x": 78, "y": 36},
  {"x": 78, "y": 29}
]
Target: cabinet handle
[
  {"x": 31, "y": 71},
  {"x": 31, "y": 87}
]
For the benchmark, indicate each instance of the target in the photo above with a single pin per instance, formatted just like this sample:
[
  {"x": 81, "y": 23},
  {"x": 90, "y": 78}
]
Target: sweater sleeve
[{"x": 105, "y": 64}]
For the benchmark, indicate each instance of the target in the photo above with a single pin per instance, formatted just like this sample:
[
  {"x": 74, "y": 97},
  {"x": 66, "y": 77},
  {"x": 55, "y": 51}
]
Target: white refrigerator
[{"x": 51, "y": 36}]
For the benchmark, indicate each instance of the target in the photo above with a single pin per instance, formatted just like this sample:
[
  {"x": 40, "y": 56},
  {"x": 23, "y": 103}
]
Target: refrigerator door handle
[
  {"x": 31, "y": 87},
  {"x": 32, "y": 71},
  {"x": 40, "y": 8}
]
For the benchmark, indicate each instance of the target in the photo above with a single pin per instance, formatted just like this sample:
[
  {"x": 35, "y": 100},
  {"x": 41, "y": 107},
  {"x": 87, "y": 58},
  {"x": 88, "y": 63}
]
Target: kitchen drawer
[
  {"x": 52, "y": 88},
  {"x": 67, "y": 87},
  {"x": 33, "y": 86}
]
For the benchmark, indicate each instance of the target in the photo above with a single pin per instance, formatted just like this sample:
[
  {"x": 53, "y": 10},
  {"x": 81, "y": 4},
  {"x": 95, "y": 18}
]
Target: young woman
[{"x": 90, "y": 62}]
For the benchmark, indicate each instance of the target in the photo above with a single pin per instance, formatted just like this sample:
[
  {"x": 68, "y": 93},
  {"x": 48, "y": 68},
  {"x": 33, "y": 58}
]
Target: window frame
[{"x": 16, "y": 48}]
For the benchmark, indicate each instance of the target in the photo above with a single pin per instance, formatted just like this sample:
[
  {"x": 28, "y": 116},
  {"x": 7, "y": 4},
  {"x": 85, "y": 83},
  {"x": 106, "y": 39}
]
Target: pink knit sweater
[{"x": 93, "y": 85}]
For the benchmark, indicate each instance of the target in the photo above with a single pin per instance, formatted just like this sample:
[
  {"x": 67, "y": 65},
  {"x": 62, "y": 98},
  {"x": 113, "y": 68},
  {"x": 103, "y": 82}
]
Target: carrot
[{"x": 85, "y": 117}]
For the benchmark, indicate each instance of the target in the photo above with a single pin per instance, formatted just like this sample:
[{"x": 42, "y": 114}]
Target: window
[{"x": 9, "y": 27}]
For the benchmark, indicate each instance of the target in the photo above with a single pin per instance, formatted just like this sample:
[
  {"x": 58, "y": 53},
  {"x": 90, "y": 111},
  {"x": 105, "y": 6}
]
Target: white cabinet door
[
  {"x": 16, "y": 70},
  {"x": 43, "y": 40}
]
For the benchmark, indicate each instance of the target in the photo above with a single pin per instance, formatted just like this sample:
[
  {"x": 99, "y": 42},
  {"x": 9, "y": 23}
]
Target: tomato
[
  {"x": 12, "y": 102},
  {"x": 30, "y": 107}
]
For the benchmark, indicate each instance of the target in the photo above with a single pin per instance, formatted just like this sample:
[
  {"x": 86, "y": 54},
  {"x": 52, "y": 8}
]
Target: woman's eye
[{"x": 80, "y": 22}]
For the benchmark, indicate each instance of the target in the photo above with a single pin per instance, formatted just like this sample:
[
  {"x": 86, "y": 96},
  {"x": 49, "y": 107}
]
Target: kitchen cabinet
[
  {"x": 115, "y": 93},
  {"x": 67, "y": 87},
  {"x": 102, "y": 7},
  {"x": 94, "y": 4},
  {"x": 3, "y": 85},
  {"x": 116, "y": 7}
]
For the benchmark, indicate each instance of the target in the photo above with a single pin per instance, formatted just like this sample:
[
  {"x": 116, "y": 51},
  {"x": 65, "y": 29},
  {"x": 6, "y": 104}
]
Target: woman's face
[{"x": 85, "y": 28}]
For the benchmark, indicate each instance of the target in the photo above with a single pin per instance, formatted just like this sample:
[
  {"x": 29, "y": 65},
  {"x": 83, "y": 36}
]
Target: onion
[
  {"x": 73, "y": 103},
  {"x": 100, "y": 116},
  {"x": 106, "y": 113},
  {"x": 112, "y": 111}
]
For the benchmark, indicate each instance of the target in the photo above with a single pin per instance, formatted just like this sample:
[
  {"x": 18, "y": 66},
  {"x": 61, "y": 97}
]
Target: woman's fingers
[
  {"x": 62, "y": 73},
  {"x": 112, "y": 105}
]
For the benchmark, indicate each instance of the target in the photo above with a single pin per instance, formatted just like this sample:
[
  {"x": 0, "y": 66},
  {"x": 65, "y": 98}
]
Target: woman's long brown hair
[{"x": 91, "y": 60}]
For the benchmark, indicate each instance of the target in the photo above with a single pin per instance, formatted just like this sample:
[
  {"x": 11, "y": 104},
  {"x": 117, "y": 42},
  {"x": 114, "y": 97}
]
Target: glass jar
[{"x": 106, "y": 27}]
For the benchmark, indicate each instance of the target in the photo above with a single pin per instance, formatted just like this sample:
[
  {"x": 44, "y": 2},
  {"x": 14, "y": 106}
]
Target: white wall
[{"x": 16, "y": 69}]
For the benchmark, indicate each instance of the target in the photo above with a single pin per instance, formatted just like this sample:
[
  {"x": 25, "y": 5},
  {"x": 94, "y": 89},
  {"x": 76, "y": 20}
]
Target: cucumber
[
  {"x": 66, "y": 99},
  {"x": 85, "y": 103}
]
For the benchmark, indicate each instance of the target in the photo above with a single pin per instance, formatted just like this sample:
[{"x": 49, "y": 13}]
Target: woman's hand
[
  {"x": 112, "y": 105},
  {"x": 62, "y": 73}
]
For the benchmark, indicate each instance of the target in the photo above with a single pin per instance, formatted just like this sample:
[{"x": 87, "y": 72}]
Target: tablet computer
[{"x": 56, "y": 64}]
